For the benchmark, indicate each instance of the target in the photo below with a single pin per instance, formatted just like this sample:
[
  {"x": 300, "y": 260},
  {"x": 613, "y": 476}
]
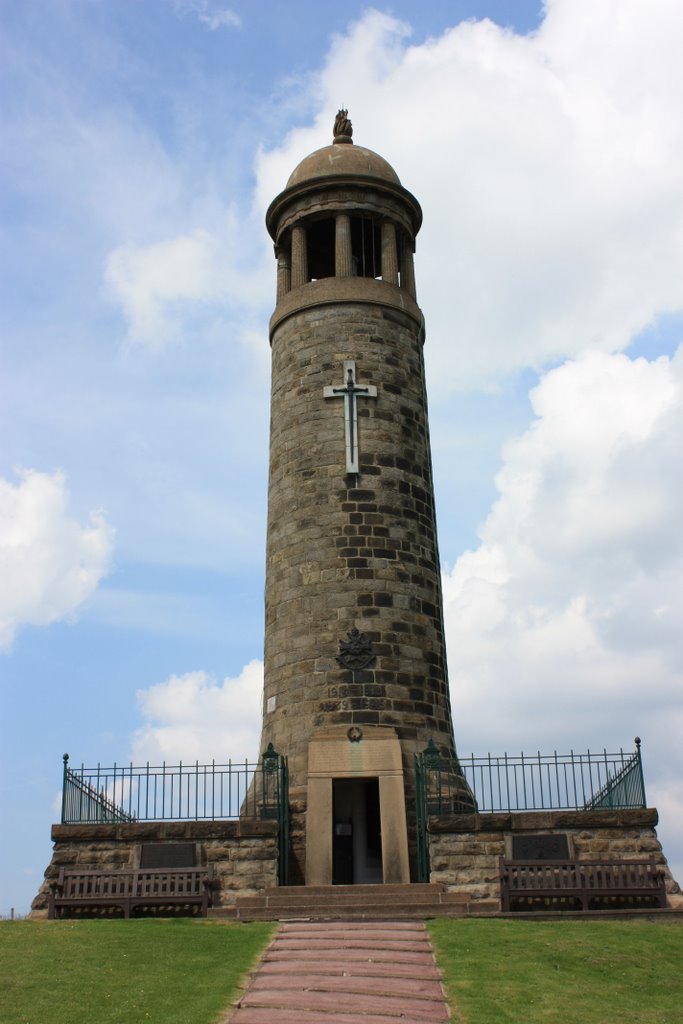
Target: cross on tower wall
[{"x": 350, "y": 391}]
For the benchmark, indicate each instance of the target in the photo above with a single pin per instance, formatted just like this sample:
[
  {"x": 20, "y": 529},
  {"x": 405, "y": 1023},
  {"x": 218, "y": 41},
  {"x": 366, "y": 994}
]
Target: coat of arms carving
[{"x": 356, "y": 653}]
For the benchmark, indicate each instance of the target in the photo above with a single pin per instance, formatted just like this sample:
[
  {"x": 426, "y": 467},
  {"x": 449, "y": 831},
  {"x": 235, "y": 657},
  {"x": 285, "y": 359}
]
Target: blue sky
[{"x": 142, "y": 144}]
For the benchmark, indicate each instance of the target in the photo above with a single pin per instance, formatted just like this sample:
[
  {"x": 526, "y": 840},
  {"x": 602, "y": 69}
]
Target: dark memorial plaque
[
  {"x": 167, "y": 855},
  {"x": 540, "y": 847}
]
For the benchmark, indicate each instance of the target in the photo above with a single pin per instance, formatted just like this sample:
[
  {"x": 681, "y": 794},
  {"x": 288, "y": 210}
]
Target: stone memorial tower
[
  {"x": 356, "y": 682},
  {"x": 355, "y": 663}
]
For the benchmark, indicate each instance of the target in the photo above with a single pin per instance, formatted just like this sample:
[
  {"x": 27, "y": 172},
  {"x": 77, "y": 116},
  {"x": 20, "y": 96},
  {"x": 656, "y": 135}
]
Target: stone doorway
[
  {"x": 357, "y": 832},
  {"x": 355, "y": 815}
]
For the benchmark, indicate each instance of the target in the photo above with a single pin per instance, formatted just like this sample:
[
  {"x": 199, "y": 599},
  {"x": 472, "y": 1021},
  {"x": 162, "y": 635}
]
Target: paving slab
[
  {"x": 345, "y": 973},
  {"x": 418, "y": 988},
  {"x": 258, "y": 1015},
  {"x": 338, "y": 930},
  {"x": 390, "y": 927},
  {"x": 339, "y": 925},
  {"x": 349, "y": 941},
  {"x": 378, "y": 953},
  {"x": 357, "y": 969},
  {"x": 329, "y": 1002}
]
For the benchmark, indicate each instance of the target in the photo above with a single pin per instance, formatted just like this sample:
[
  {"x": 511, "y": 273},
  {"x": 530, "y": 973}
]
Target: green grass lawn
[
  {"x": 567, "y": 972},
  {"x": 180, "y": 971},
  {"x": 188, "y": 971}
]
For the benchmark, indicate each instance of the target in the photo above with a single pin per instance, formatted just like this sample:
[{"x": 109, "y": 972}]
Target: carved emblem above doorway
[{"x": 356, "y": 652}]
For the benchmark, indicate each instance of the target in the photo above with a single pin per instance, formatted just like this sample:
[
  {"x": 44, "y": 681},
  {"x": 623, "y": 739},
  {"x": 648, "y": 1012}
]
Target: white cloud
[
  {"x": 168, "y": 289},
  {"x": 221, "y": 18},
  {"x": 192, "y": 717},
  {"x": 548, "y": 172},
  {"x": 49, "y": 563},
  {"x": 149, "y": 281},
  {"x": 548, "y": 167},
  {"x": 563, "y": 626},
  {"x": 579, "y": 575},
  {"x": 210, "y": 14}
]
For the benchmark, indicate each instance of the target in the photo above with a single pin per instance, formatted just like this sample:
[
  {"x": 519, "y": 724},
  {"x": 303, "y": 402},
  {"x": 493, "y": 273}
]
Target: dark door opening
[{"x": 357, "y": 838}]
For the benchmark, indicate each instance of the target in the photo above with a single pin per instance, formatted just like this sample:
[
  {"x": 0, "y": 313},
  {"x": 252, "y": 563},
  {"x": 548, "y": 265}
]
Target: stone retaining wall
[
  {"x": 464, "y": 849},
  {"x": 244, "y": 853}
]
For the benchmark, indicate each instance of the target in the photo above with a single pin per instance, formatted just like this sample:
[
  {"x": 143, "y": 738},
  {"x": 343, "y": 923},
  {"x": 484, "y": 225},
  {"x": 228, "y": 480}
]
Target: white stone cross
[{"x": 348, "y": 391}]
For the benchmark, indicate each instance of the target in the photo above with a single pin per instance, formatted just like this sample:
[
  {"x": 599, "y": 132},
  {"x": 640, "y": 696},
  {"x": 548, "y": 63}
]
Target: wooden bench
[
  {"x": 131, "y": 890},
  {"x": 590, "y": 884}
]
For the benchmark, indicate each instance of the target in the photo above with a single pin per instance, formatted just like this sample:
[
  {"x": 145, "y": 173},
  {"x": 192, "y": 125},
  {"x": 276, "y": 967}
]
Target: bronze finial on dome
[{"x": 343, "y": 129}]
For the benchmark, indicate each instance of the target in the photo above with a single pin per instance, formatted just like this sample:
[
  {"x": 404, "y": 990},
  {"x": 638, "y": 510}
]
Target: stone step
[
  {"x": 338, "y": 914},
  {"x": 378, "y": 929},
  {"x": 338, "y": 903},
  {"x": 333, "y": 898},
  {"x": 356, "y": 912},
  {"x": 277, "y": 898},
  {"x": 297, "y": 908},
  {"x": 397, "y": 889}
]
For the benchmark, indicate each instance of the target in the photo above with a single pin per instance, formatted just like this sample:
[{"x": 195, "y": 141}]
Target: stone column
[
  {"x": 343, "y": 259},
  {"x": 299, "y": 256},
  {"x": 407, "y": 268},
  {"x": 389, "y": 254},
  {"x": 284, "y": 274}
]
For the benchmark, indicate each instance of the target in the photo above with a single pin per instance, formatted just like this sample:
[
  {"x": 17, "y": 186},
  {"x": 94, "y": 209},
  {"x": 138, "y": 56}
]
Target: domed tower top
[
  {"x": 343, "y": 158},
  {"x": 344, "y": 230}
]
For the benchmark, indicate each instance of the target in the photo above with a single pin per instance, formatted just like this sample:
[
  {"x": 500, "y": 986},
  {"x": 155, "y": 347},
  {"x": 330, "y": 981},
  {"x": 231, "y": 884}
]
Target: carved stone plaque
[
  {"x": 540, "y": 847},
  {"x": 167, "y": 855}
]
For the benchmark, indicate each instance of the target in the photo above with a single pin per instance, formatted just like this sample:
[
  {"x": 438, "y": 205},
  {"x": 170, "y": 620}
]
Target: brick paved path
[{"x": 346, "y": 973}]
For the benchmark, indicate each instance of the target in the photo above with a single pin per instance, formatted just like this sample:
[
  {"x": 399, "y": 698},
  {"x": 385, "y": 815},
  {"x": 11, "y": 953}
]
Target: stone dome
[
  {"x": 348, "y": 170},
  {"x": 346, "y": 159}
]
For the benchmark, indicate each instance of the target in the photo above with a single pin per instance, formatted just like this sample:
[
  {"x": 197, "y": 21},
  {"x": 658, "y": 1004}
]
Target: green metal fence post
[
  {"x": 421, "y": 818},
  {"x": 283, "y": 816},
  {"x": 65, "y": 759},
  {"x": 640, "y": 769}
]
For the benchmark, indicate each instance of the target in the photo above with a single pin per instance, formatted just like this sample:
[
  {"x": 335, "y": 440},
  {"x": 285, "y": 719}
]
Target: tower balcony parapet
[{"x": 344, "y": 290}]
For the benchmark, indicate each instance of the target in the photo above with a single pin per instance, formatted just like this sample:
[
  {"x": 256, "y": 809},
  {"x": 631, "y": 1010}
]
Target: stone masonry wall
[
  {"x": 244, "y": 853},
  {"x": 464, "y": 850},
  {"x": 351, "y": 551}
]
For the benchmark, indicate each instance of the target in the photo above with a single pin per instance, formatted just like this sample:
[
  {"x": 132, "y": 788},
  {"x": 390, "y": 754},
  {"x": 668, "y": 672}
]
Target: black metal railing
[
  {"x": 81, "y": 802},
  {"x": 126, "y": 793},
  {"x": 625, "y": 788},
  {"x": 540, "y": 782}
]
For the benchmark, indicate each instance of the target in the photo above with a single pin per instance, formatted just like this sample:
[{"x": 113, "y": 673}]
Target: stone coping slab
[
  {"x": 524, "y": 821},
  {"x": 146, "y": 830}
]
